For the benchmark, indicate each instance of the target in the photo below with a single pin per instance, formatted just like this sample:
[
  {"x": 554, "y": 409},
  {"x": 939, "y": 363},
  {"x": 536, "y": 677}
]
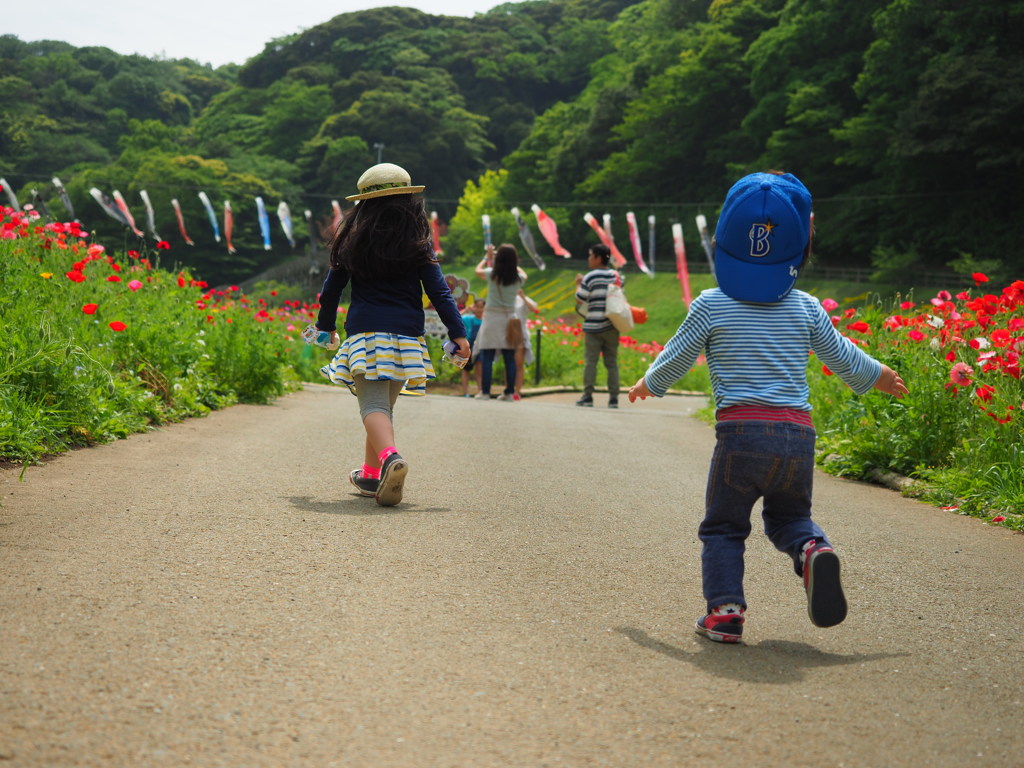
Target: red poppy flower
[
  {"x": 907, "y": 305},
  {"x": 916, "y": 335},
  {"x": 118, "y": 326},
  {"x": 90, "y": 309},
  {"x": 113, "y": 279},
  {"x": 985, "y": 392},
  {"x": 133, "y": 254},
  {"x": 998, "y": 518},
  {"x": 163, "y": 245},
  {"x": 75, "y": 276},
  {"x": 826, "y": 371},
  {"x": 860, "y": 326},
  {"x": 181, "y": 281},
  {"x": 979, "y": 278}
]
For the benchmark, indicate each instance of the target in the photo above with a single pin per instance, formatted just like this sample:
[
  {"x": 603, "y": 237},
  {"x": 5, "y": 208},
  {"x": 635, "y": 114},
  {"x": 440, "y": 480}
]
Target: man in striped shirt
[
  {"x": 601, "y": 339},
  {"x": 756, "y": 333}
]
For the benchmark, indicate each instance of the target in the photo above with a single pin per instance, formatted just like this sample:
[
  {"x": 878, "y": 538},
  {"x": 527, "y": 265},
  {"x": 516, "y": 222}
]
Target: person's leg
[
  {"x": 509, "y": 356},
  {"x": 787, "y": 498},
  {"x": 788, "y": 524},
  {"x": 610, "y": 353},
  {"x": 591, "y": 352},
  {"x": 376, "y": 407},
  {"x": 737, "y": 465},
  {"x": 486, "y": 364},
  {"x": 520, "y": 357}
]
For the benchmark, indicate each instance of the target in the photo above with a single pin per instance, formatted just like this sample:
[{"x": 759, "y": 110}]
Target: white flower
[{"x": 935, "y": 322}]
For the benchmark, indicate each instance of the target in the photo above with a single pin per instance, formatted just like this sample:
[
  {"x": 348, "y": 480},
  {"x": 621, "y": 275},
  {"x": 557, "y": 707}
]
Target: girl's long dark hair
[
  {"x": 506, "y": 265},
  {"x": 383, "y": 238}
]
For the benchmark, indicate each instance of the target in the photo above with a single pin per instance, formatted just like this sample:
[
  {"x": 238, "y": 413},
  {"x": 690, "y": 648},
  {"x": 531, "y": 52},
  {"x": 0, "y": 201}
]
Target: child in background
[
  {"x": 384, "y": 248},
  {"x": 756, "y": 332},
  {"x": 472, "y": 319}
]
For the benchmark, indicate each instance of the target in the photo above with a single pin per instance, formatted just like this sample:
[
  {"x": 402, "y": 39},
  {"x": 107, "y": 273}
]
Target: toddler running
[{"x": 756, "y": 332}]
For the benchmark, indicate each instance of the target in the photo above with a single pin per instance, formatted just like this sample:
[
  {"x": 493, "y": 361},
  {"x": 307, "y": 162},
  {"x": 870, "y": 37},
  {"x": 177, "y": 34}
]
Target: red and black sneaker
[
  {"x": 826, "y": 603},
  {"x": 367, "y": 486},
  {"x": 392, "y": 477},
  {"x": 724, "y": 624}
]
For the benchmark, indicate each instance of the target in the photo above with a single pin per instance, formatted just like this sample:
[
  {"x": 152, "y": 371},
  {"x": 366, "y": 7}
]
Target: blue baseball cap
[{"x": 761, "y": 236}]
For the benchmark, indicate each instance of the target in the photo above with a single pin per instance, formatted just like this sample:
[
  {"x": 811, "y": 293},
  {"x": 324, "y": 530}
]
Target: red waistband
[{"x": 765, "y": 413}]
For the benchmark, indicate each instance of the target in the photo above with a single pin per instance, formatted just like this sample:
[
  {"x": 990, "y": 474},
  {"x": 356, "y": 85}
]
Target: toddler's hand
[
  {"x": 639, "y": 390},
  {"x": 890, "y": 382}
]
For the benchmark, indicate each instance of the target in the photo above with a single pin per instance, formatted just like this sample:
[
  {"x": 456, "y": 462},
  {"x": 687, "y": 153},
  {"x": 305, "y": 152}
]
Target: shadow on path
[
  {"x": 772, "y": 661},
  {"x": 354, "y": 505}
]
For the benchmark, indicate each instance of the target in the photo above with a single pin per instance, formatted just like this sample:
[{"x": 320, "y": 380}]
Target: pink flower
[
  {"x": 916, "y": 335},
  {"x": 944, "y": 295},
  {"x": 135, "y": 285},
  {"x": 960, "y": 374},
  {"x": 907, "y": 305},
  {"x": 829, "y": 304}
]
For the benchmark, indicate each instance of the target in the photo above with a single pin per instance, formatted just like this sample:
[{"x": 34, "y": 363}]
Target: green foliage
[
  {"x": 904, "y": 118},
  {"x": 123, "y": 345}
]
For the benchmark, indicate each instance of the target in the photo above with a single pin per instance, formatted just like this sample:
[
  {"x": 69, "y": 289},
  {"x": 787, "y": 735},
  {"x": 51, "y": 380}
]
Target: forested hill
[{"x": 904, "y": 117}]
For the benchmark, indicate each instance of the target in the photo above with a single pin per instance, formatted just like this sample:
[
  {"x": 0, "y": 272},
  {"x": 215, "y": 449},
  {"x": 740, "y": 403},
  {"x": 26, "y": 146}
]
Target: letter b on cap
[{"x": 760, "y": 246}]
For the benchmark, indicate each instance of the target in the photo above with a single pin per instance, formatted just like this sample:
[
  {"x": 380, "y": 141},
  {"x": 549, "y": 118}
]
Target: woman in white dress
[{"x": 501, "y": 328}]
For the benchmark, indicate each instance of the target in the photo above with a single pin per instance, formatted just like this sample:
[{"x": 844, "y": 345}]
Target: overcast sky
[{"x": 210, "y": 31}]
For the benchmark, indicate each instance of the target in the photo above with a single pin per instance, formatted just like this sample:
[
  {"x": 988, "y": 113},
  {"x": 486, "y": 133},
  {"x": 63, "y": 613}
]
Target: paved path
[{"x": 213, "y": 594}]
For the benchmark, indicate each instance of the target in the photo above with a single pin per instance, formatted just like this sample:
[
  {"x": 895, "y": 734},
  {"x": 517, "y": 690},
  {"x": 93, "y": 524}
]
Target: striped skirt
[{"x": 382, "y": 356}]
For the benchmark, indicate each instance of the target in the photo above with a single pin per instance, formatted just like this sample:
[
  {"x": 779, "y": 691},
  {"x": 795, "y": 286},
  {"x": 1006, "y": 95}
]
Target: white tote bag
[{"x": 617, "y": 309}]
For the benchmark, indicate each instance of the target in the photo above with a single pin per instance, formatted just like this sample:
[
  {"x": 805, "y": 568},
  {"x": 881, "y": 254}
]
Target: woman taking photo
[{"x": 501, "y": 328}]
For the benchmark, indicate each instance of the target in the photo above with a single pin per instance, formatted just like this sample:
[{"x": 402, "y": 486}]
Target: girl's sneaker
[
  {"x": 724, "y": 624},
  {"x": 826, "y": 603},
  {"x": 367, "y": 486},
  {"x": 392, "y": 479}
]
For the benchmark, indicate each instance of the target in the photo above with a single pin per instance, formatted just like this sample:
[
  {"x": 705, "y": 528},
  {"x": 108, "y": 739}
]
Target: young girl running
[{"x": 384, "y": 249}]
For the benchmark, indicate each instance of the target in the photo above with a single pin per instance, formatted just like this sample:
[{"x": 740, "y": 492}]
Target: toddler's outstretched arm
[
  {"x": 889, "y": 382},
  {"x": 639, "y": 390}
]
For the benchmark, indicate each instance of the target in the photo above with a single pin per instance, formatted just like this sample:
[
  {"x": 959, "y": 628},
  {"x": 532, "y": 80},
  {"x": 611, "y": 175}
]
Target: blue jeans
[
  {"x": 487, "y": 358},
  {"x": 755, "y": 459}
]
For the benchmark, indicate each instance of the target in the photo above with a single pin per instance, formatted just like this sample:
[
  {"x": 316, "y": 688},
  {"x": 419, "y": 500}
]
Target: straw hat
[{"x": 384, "y": 179}]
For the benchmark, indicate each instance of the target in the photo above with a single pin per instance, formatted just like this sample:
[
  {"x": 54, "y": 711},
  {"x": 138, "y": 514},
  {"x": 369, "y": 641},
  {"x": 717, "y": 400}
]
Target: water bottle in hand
[
  {"x": 450, "y": 348},
  {"x": 313, "y": 335}
]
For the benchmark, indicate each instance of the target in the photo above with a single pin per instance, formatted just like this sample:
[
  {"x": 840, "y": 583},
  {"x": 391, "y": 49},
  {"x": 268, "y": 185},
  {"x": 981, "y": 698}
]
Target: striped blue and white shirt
[
  {"x": 757, "y": 353},
  {"x": 592, "y": 291}
]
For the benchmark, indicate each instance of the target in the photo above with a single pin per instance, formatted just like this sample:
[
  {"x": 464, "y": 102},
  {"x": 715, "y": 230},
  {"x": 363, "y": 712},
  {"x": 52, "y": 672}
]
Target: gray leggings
[{"x": 376, "y": 396}]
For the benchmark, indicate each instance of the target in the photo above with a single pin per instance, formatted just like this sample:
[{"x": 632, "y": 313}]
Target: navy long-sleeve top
[{"x": 390, "y": 306}]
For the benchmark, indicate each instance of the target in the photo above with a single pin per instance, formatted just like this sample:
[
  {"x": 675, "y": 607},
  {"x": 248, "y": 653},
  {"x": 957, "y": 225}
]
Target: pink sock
[
  {"x": 385, "y": 453},
  {"x": 371, "y": 472}
]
